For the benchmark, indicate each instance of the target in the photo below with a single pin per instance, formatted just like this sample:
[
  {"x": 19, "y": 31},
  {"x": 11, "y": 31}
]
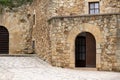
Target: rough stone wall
[
  {"x": 118, "y": 41},
  {"x": 18, "y": 22},
  {"x": 78, "y": 7},
  {"x": 66, "y": 7},
  {"x": 104, "y": 27},
  {"x": 110, "y": 6},
  {"x": 41, "y": 30}
]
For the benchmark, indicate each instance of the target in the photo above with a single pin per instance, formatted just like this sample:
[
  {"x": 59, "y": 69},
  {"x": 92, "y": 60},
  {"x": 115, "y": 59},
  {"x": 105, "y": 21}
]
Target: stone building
[{"x": 67, "y": 33}]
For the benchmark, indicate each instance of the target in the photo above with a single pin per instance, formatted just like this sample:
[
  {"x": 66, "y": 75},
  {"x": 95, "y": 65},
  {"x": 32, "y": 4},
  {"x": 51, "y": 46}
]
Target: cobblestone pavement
[{"x": 32, "y": 68}]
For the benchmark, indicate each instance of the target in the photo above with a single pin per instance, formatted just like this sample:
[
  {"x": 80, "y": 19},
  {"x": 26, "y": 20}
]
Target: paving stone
[{"x": 33, "y": 68}]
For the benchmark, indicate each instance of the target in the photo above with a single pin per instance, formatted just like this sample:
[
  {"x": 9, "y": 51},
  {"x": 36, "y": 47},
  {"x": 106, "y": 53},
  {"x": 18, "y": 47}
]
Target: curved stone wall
[
  {"x": 41, "y": 29},
  {"x": 19, "y": 24}
]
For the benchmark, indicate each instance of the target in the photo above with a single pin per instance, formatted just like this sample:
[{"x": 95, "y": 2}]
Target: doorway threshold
[{"x": 86, "y": 68}]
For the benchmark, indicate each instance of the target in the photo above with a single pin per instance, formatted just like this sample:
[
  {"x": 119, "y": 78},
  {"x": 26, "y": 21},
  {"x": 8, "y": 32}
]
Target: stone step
[
  {"x": 86, "y": 69},
  {"x": 18, "y": 55}
]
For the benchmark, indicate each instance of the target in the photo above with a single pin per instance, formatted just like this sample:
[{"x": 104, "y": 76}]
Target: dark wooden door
[
  {"x": 80, "y": 51},
  {"x": 4, "y": 40},
  {"x": 85, "y": 50},
  {"x": 90, "y": 50}
]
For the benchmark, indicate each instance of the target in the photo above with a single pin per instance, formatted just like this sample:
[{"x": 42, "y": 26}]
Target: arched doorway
[
  {"x": 4, "y": 40},
  {"x": 85, "y": 50}
]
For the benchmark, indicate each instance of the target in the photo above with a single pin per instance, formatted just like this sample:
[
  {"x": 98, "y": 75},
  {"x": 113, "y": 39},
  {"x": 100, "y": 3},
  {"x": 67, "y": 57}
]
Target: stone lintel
[{"x": 77, "y": 16}]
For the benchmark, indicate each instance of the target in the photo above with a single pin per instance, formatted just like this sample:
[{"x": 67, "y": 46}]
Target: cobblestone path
[{"x": 32, "y": 68}]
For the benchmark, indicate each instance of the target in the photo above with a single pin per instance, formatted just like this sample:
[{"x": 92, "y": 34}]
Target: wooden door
[
  {"x": 4, "y": 40},
  {"x": 90, "y": 50}
]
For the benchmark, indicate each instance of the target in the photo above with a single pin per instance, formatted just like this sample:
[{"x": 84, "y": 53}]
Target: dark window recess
[
  {"x": 34, "y": 19},
  {"x": 94, "y": 8},
  {"x": 33, "y": 44}
]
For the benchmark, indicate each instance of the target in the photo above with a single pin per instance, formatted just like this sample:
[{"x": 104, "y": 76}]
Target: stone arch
[
  {"x": 4, "y": 40},
  {"x": 85, "y": 28}
]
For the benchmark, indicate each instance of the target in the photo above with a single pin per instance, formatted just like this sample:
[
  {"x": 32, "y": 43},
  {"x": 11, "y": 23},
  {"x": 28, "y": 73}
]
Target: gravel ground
[{"x": 32, "y": 68}]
